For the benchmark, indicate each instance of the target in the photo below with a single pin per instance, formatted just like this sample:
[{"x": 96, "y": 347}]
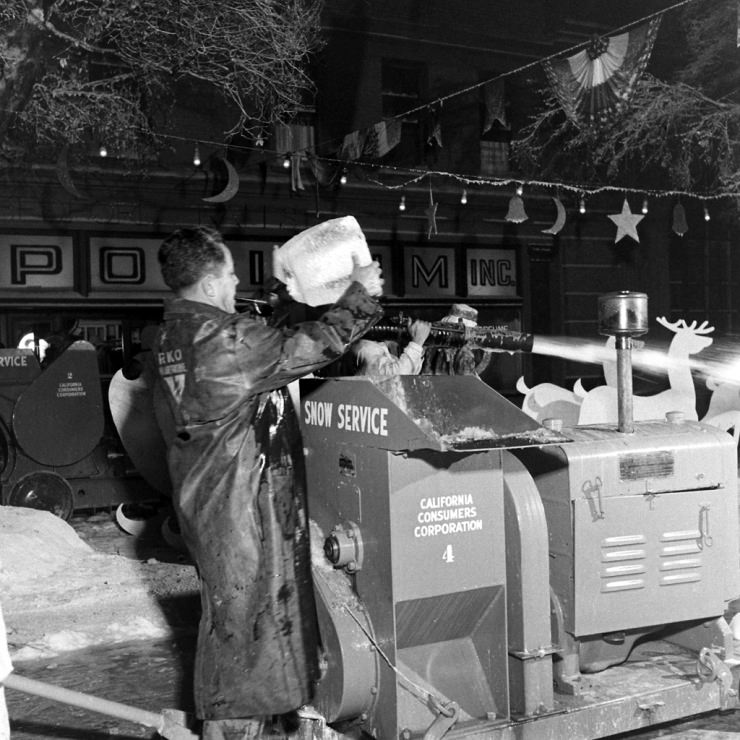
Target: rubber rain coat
[{"x": 236, "y": 464}]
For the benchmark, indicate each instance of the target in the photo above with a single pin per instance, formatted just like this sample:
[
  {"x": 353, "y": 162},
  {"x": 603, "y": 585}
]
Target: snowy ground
[
  {"x": 64, "y": 586},
  {"x": 88, "y": 583}
]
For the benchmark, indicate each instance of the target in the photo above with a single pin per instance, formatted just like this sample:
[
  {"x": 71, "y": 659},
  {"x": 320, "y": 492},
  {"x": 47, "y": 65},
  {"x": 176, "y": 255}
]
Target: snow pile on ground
[
  {"x": 58, "y": 593},
  {"x": 34, "y": 544}
]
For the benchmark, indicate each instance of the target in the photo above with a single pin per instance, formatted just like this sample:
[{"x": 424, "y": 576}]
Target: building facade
[{"x": 409, "y": 130}]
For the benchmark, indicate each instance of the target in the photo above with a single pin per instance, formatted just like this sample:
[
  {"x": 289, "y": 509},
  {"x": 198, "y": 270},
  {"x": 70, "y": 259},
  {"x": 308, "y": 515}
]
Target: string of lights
[
  {"x": 518, "y": 70},
  {"x": 415, "y": 175},
  {"x": 405, "y": 177},
  {"x": 411, "y": 175}
]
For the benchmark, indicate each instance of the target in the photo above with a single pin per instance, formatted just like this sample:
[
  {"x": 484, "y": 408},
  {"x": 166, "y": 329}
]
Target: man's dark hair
[{"x": 187, "y": 255}]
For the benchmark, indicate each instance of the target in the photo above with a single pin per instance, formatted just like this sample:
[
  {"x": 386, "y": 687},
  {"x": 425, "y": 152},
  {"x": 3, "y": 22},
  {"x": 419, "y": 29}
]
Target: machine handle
[
  {"x": 589, "y": 488},
  {"x": 446, "y": 718},
  {"x": 537, "y": 653},
  {"x": 704, "y": 536}
]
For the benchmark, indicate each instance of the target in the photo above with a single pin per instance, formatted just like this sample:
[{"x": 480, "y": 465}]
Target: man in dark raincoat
[{"x": 236, "y": 464}]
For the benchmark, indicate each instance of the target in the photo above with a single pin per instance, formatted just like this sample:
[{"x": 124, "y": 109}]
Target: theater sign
[
  {"x": 106, "y": 267},
  {"x": 37, "y": 262}
]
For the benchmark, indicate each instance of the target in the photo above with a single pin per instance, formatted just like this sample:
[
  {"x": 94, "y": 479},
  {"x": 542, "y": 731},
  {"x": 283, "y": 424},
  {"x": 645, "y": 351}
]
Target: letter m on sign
[{"x": 430, "y": 272}]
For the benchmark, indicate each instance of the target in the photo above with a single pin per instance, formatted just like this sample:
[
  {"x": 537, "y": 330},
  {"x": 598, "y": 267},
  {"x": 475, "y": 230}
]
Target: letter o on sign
[{"x": 122, "y": 266}]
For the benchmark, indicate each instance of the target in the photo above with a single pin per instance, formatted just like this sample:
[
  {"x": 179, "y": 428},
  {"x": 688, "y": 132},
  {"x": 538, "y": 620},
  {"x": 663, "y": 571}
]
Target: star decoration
[
  {"x": 626, "y": 222},
  {"x": 431, "y": 214}
]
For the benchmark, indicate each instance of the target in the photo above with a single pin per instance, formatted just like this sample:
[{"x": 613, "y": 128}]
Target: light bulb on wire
[
  {"x": 707, "y": 217},
  {"x": 464, "y": 197},
  {"x": 645, "y": 206},
  {"x": 343, "y": 178},
  {"x": 582, "y": 205},
  {"x": 196, "y": 155},
  {"x": 520, "y": 190},
  {"x": 402, "y": 204},
  {"x": 103, "y": 152},
  {"x": 286, "y": 161}
]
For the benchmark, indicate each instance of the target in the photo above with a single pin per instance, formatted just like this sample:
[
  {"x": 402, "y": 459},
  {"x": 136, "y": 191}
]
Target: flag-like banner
[
  {"x": 597, "y": 82},
  {"x": 372, "y": 142},
  {"x": 381, "y": 138},
  {"x": 494, "y": 102}
]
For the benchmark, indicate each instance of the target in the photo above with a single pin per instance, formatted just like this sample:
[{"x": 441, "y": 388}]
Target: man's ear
[{"x": 207, "y": 286}]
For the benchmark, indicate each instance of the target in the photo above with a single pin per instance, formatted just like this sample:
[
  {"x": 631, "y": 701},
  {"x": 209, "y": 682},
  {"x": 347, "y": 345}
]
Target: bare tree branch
[
  {"x": 71, "y": 69},
  {"x": 680, "y": 134}
]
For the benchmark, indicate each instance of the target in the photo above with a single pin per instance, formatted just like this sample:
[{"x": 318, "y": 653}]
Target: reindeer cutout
[
  {"x": 600, "y": 405},
  {"x": 549, "y": 401},
  {"x": 724, "y": 406}
]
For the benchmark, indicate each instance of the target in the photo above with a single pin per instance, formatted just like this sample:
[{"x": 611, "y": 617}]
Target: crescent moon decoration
[
  {"x": 65, "y": 179},
  {"x": 559, "y": 221},
  {"x": 232, "y": 185}
]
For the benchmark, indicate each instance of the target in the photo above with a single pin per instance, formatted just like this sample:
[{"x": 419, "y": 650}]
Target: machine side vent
[
  {"x": 680, "y": 557},
  {"x": 623, "y": 563},
  {"x": 657, "y": 464},
  {"x": 439, "y": 618}
]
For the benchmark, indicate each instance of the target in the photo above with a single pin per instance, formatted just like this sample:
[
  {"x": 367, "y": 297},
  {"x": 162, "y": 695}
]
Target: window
[{"x": 494, "y": 157}]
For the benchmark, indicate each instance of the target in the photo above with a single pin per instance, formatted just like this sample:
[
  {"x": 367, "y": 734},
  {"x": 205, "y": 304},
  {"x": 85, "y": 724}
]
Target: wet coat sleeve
[{"x": 271, "y": 358}]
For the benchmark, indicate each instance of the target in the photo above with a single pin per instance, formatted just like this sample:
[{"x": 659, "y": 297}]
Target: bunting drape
[{"x": 597, "y": 82}]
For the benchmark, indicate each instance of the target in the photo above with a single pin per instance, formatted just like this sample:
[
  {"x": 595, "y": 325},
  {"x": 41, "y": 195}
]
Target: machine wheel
[{"x": 43, "y": 490}]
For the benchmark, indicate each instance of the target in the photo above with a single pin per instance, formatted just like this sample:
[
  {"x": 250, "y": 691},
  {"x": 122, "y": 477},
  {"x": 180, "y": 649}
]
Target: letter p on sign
[{"x": 29, "y": 259}]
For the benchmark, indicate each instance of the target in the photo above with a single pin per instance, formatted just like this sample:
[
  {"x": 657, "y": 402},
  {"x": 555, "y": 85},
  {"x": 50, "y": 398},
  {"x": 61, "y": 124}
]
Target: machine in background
[
  {"x": 58, "y": 450},
  {"x": 484, "y": 577}
]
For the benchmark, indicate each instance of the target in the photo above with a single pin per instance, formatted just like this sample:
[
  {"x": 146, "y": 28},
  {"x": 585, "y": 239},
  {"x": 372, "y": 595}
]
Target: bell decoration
[{"x": 516, "y": 213}]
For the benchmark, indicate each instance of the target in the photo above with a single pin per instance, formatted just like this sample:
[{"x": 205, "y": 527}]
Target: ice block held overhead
[{"x": 316, "y": 264}]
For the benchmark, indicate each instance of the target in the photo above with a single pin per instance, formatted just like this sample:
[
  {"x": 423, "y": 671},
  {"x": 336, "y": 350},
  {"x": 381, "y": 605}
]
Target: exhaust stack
[{"x": 623, "y": 315}]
